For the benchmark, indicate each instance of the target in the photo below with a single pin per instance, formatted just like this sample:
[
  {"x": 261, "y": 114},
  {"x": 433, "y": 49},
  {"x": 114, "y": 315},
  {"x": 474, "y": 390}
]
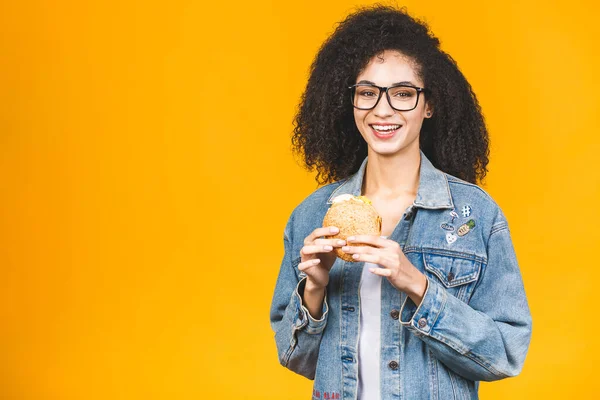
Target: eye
[
  {"x": 403, "y": 93},
  {"x": 367, "y": 93}
]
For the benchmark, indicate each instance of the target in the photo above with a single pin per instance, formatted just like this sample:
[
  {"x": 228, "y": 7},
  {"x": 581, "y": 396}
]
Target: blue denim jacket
[{"x": 473, "y": 323}]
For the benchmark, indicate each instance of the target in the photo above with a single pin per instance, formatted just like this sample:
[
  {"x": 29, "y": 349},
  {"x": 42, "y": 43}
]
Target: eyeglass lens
[{"x": 402, "y": 97}]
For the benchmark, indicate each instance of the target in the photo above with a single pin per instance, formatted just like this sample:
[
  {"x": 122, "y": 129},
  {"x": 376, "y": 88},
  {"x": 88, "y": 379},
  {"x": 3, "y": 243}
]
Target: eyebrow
[{"x": 393, "y": 84}]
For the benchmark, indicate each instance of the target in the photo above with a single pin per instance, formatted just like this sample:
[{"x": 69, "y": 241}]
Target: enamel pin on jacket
[{"x": 473, "y": 324}]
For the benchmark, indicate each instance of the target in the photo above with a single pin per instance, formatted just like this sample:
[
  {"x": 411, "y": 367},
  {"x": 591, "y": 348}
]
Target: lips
[{"x": 385, "y": 131}]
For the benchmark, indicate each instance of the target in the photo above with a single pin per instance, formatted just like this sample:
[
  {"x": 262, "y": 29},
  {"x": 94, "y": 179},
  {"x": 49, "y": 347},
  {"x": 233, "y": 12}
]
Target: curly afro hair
[{"x": 455, "y": 138}]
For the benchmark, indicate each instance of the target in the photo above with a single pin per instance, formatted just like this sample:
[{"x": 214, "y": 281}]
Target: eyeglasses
[{"x": 400, "y": 97}]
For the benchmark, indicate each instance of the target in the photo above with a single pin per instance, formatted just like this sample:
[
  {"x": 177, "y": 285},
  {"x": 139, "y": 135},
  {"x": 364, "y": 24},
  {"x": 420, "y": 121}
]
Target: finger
[
  {"x": 314, "y": 249},
  {"x": 367, "y": 257},
  {"x": 307, "y": 264},
  {"x": 373, "y": 240},
  {"x": 381, "y": 271},
  {"x": 323, "y": 231},
  {"x": 331, "y": 242},
  {"x": 360, "y": 249}
]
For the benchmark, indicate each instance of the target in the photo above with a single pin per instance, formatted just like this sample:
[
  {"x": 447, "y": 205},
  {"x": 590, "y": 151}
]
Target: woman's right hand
[{"x": 317, "y": 256}]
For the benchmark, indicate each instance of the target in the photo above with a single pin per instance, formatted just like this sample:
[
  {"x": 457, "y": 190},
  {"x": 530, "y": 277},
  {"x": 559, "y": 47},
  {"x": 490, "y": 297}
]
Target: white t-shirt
[{"x": 369, "y": 342}]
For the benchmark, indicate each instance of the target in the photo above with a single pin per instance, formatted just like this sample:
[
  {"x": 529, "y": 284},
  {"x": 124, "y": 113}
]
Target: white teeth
[{"x": 385, "y": 127}]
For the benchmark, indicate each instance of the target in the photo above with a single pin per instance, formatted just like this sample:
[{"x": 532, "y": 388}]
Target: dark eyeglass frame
[{"x": 385, "y": 89}]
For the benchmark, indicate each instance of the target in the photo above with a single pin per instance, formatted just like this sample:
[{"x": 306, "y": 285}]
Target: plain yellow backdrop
[{"x": 146, "y": 177}]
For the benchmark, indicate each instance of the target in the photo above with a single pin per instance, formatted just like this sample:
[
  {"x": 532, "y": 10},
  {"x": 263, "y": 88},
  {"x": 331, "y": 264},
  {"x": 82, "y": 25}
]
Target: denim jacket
[{"x": 472, "y": 325}]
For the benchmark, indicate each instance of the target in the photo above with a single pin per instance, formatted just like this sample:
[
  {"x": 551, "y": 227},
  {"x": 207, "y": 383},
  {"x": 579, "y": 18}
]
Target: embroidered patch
[
  {"x": 466, "y": 211},
  {"x": 466, "y": 228},
  {"x": 447, "y": 227},
  {"x": 454, "y": 215},
  {"x": 451, "y": 238}
]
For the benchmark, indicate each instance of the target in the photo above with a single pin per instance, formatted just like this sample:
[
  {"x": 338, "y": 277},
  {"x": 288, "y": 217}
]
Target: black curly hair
[{"x": 455, "y": 138}]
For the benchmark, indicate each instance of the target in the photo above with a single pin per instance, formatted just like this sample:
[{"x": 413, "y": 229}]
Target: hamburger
[{"x": 353, "y": 215}]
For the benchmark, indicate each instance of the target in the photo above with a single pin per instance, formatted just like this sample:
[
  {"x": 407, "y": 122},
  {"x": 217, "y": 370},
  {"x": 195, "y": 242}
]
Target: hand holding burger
[
  {"x": 348, "y": 215},
  {"x": 353, "y": 215}
]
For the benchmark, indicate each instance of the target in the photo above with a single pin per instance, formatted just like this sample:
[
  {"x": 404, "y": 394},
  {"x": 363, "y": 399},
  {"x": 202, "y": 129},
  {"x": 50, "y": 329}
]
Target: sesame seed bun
[{"x": 353, "y": 215}]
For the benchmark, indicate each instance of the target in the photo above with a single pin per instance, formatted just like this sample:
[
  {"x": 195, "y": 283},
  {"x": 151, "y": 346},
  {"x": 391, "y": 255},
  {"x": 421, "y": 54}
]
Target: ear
[{"x": 428, "y": 111}]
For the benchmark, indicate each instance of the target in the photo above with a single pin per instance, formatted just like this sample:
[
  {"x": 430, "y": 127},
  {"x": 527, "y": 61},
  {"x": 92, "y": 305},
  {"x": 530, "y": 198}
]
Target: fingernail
[
  {"x": 316, "y": 261},
  {"x": 328, "y": 247},
  {"x": 341, "y": 242},
  {"x": 333, "y": 230},
  {"x": 351, "y": 238},
  {"x": 346, "y": 248},
  {"x": 355, "y": 255}
]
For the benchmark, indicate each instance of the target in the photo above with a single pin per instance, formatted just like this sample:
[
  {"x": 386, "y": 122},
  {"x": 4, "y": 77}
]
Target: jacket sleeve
[
  {"x": 488, "y": 338},
  {"x": 297, "y": 333}
]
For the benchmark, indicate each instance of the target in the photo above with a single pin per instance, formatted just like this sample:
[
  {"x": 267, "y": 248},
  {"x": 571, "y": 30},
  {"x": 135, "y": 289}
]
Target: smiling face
[{"x": 394, "y": 68}]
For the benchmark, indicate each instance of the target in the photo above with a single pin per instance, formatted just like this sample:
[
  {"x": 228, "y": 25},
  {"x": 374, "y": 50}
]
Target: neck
[{"x": 392, "y": 176}]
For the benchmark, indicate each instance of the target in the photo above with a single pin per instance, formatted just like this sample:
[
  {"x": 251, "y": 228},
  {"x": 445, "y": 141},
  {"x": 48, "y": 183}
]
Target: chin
[
  {"x": 384, "y": 150},
  {"x": 389, "y": 146}
]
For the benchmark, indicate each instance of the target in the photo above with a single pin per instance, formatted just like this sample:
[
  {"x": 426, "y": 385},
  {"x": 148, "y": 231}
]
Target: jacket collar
[{"x": 433, "y": 192}]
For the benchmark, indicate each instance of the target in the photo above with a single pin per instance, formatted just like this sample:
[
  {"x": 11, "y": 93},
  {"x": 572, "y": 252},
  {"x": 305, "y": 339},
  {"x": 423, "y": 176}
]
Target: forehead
[{"x": 389, "y": 67}]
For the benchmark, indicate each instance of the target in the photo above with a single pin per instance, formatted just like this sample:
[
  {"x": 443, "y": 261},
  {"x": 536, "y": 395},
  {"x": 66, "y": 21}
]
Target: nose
[{"x": 383, "y": 108}]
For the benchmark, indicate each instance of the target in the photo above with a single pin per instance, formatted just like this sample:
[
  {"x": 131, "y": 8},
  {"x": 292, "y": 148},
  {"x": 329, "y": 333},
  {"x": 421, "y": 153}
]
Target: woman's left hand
[{"x": 396, "y": 268}]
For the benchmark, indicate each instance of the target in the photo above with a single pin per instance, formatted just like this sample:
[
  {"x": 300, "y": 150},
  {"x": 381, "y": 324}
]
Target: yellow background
[{"x": 146, "y": 178}]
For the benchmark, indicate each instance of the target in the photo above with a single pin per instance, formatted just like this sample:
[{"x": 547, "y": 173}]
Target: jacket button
[
  {"x": 395, "y": 314},
  {"x": 393, "y": 365},
  {"x": 422, "y": 322},
  {"x": 450, "y": 276}
]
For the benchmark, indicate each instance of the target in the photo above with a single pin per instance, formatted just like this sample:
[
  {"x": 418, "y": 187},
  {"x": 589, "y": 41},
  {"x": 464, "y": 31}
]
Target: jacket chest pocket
[{"x": 458, "y": 275}]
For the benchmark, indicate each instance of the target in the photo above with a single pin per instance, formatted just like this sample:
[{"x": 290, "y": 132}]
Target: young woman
[{"x": 436, "y": 303}]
